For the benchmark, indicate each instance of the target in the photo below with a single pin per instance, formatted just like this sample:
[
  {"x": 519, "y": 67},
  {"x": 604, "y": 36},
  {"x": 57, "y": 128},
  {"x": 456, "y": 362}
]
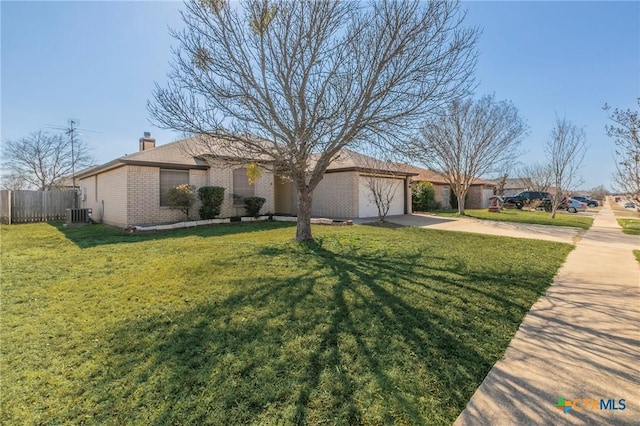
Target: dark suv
[{"x": 526, "y": 197}]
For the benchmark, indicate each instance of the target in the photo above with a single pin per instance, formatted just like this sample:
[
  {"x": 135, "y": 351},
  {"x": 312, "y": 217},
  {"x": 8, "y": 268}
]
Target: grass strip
[
  {"x": 524, "y": 216},
  {"x": 630, "y": 226}
]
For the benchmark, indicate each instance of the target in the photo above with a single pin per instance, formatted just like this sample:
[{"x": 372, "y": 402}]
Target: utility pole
[{"x": 70, "y": 132}]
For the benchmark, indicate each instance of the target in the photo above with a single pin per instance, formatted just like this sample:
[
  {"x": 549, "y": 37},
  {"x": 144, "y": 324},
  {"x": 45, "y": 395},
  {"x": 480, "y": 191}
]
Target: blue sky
[{"x": 96, "y": 62}]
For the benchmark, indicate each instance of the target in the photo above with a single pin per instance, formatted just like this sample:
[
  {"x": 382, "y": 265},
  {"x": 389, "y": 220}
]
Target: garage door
[{"x": 366, "y": 201}]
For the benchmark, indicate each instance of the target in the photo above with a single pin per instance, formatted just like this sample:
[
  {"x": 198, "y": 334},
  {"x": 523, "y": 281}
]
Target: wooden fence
[
  {"x": 5, "y": 207},
  {"x": 34, "y": 206}
]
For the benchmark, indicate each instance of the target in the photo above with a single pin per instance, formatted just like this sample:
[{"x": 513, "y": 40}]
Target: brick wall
[
  {"x": 144, "y": 196},
  {"x": 131, "y": 194},
  {"x": 439, "y": 191},
  {"x": 88, "y": 199},
  {"x": 265, "y": 189},
  {"x": 221, "y": 174},
  {"x": 478, "y": 197},
  {"x": 106, "y": 195},
  {"x": 474, "y": 197},
  {"x": 336, "y": 196}
]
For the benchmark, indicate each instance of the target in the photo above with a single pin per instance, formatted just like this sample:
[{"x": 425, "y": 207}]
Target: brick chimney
[{"x": 147, "y": 142}]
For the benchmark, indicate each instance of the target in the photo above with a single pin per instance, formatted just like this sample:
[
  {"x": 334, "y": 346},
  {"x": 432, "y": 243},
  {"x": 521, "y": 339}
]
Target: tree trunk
[
  {"x": 461, "y": 199},
  {"x": 556, "y": 200},
  {"x": 554, "y": 208},
  {"x": 303, "y": 229}
]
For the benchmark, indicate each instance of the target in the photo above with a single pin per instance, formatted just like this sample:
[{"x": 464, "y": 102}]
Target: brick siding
[
  {"x": 336, "y": 196},
  {"x": 131, "y": 194},
  {"x": 221, "y": 174}
]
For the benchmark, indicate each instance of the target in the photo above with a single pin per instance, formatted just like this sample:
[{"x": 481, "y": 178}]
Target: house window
[
  {"x": 170, "y": 179},
  {"x": 445, "y": 197},
  {"x": 241, "y": 187}
]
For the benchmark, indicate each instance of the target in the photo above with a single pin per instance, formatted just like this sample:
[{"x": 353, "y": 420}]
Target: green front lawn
[
  {"x": 239, "y": 324},
  {"x": 630, "y": 226},
  {"x": 525, "y": 216}
]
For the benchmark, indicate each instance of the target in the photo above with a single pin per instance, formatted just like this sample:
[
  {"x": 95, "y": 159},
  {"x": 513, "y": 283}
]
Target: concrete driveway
[{"x": 562, "y": 234}]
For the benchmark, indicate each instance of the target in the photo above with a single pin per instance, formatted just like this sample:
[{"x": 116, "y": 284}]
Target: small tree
[
  {"x": 501, "y": 182},
  {"x": 253, "y": 205},
  {"x": 182, "y": 197},
  {"x": 598, "y": 193},
  {"x": 382, "y": 191},
  {"x": 537, "y": 176},
  {"x": 383, "y": 177},
  {"x": 423, "y": 197},
  {"x": 469, "y": 139},
  {"x": 626, "y": 135},
  {"x": 565, "y": 151},
  {"x": 211, "y": 198}
]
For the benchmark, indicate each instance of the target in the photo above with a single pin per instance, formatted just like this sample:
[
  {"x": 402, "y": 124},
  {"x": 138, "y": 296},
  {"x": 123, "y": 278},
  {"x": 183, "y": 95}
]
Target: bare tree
[
  {"x": 42, "y": 159},
  {"x": 537, "y": 176},
  {"x": 13, "y": 182},
  {"x": 291, "y": 83},
  {"x": 565, "y": 150},
  {"x": 383, "y": 177},
  {"x": 501, "y": 182},
  {"x": 599, "y": 193},
  {"x": 468, "y": 140},
  {"x": 382, "y": 192},
  {"x": 626, "y": 135}
]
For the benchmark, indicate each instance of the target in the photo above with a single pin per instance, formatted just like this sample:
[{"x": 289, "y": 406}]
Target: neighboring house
[
  {"x": 131, "y": 190},
  {"x": 515, "y": 186},
  {"x": 478, "y": 196},
  {"x": 65, "y": 182}
]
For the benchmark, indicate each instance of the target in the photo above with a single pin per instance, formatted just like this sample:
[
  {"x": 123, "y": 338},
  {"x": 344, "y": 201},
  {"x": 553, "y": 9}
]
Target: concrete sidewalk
[
  {"x": 580, "y": 340},
  {"x": 560, "y": 234}
]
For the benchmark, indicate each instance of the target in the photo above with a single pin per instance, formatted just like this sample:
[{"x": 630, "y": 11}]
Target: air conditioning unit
[{"x": 78, "y": 216}]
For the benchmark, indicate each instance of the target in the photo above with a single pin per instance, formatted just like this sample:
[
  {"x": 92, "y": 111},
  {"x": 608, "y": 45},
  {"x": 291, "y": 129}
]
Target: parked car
[
  {"x": 574, "y": 206},
  {"x": 590, "y": 202},
  {"x": 629, "y": 205},
  {"x": 525, "y": 197},
  {"x": 565, "y": 204}
]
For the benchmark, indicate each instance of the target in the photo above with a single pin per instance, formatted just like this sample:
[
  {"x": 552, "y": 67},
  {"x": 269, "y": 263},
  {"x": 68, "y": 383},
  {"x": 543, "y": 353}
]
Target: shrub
[
  {"x": 423, "y": 197},
  {"x": 211, "y": 198},
  {"x": 182, "y": 197},
  {"x": 253, "y": 205}
]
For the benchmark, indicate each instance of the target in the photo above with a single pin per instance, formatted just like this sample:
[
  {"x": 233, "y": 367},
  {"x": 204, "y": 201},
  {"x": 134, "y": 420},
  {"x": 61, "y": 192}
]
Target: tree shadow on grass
[
  {"x": 96, "y": 235},
  {"x": 357, "y": 338}
]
